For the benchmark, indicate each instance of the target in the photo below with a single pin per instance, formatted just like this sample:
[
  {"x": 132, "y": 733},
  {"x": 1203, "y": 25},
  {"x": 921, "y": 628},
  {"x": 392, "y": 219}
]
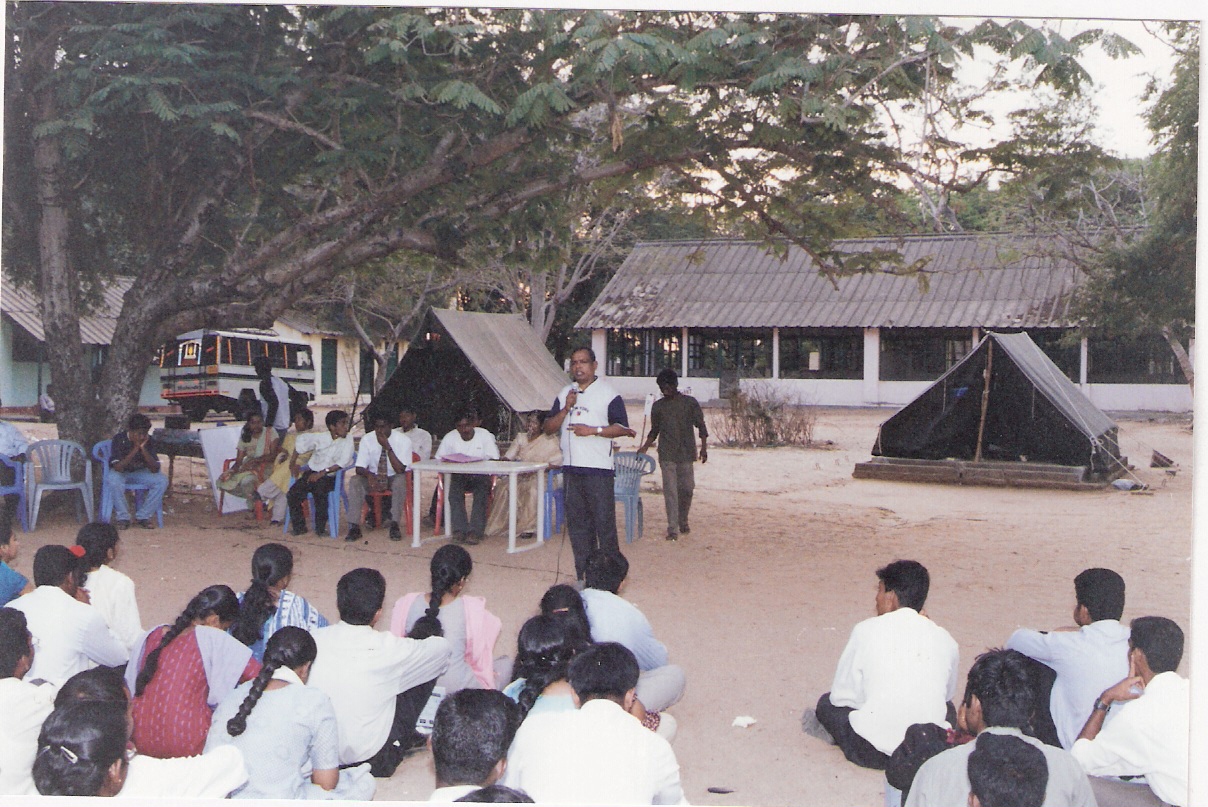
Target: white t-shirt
[
  {"x": 421, "y": 441},
  {"x": 281, "y": 390},
  {"x": 597, "y": 406},
  {"x": 72, "y": 637},
  {"x": 112, "y": 593},
  {"x": 481, "y": 445}
]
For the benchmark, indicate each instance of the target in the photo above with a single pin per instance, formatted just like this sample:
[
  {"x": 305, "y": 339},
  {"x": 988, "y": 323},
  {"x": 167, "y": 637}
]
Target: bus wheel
[{"x": 194, "y": 410}]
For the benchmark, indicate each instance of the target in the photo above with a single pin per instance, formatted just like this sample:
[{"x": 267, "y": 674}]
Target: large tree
[{"x": 230, "y": 158}]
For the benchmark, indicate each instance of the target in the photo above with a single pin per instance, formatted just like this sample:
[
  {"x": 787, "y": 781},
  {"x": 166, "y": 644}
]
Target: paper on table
[{"x": 460, "y": 458}]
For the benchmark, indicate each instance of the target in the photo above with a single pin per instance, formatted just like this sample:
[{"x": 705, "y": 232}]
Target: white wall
[
  {"x": 1140, "y": 397},
  {"x": 348, "y": 364}
]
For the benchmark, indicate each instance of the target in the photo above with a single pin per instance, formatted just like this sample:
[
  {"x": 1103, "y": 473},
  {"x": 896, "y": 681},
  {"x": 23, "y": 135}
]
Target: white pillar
[
  {"x": 599, "y": 343},
  {"x": 872, "y": 365},
  {"x": 775, "y": 354},
  {"x": 8, "y": 396},
  {"x": 1083, "y": 354},
  {"x": 684, "y": 352}
]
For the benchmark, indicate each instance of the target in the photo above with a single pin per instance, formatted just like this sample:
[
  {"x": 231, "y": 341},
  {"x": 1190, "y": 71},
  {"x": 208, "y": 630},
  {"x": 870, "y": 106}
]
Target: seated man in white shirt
[
  {"x": 899, "y": 668},
  {"x": 1148, "y": 731},
  {"x": 1006, "y": 772},
  {"x": 470, "y": 737},
  {"x": 70, "y": 635},
  {"x": 25, "y": 705},
  {"x": 998, "y": 702},
  {"x": 598, "y": 753},
  {"x": 468, "y": 440},
  {"x": 332, "y": 451},
  {"x": 421, "y": 440},
  {"x": 377, "y": 682},
  {"x": 382, "y": 462},
  {"x": 613, "y": 619},
  {"x": 1085, "y": 660}
]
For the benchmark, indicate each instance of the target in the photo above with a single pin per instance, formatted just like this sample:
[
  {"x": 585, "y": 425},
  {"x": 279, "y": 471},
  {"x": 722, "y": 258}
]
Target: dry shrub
[{"x": 760, "y": 415}]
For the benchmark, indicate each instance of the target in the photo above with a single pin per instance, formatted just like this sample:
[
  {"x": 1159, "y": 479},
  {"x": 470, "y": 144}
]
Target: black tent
[
  {"x": 493, "y": 363},
  {"x": 1032, "y": 413}
]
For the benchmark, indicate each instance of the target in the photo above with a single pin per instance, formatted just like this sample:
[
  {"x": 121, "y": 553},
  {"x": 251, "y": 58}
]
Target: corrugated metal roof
[
  {"x": 24, "y": 306},
  {"x": 979, "y": 280},
  {"x": 510, "y": 356}
]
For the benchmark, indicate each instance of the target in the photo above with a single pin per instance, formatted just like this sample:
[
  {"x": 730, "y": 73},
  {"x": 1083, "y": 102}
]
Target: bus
[{"x": 210, "y": 369}]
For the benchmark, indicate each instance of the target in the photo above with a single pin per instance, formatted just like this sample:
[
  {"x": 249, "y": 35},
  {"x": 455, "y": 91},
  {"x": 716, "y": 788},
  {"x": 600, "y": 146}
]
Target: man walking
[
  {"x": 590, "y": 414},
  {"x": 274, "y": 396},
  {"x": 672, "y": 419}
]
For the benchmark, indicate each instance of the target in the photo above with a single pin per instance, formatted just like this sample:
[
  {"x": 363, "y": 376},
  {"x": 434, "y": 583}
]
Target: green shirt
[{"x": 672, "y": 420}]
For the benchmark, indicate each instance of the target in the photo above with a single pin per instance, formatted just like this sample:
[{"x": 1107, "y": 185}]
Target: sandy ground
[{"x": 757, "y": 603}]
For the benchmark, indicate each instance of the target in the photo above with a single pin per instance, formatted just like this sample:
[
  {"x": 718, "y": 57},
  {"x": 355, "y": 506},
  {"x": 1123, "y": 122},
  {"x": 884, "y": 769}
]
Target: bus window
[
  {"x": 304, "y": 361},
  {"x": 209, "y": 349},
  {"x": 189, "y": 353}
]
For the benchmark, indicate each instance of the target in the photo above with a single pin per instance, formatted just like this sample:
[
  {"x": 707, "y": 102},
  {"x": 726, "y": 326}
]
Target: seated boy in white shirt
[
  {"x": 332, "y": 450},
  {"x": 469, "y": 440},
  {"x": 470, "y": 738}
]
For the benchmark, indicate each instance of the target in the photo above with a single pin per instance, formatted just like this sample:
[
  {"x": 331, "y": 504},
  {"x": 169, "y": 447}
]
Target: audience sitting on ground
[
  {"x": 468, "y": 439},
  {"x": 330, "y": 451},
  {"x": 288, "y": 465},
  {"x": 562, "y": 601},
  {"x": 1147, "y": 733},
  {"x": 470, "y": 738},
  {"x": 287, "y": 730},
  {"x": 23, "y": 703},
  {"x": 109, "y": 591},
  {"x": 254, "y": 454},
  {"x": 178, "y": 673},
  {"x": 899, "y": 668},
  {"x": 614, "y": 619},
  {"x": 12, "y": 583},
  {"x": 998, "y": 701},
  {"x": 378, "y": 682},
  {"x": 70, "y": 634},
  {"x": 1085, "y": 660},
  {"x": 381, "y": 466},
  {"x": 598, "y": 753},
  {"x": 82, "y": 750},
  {"x": 464, "y": 620},
  {"x": 268, "y": 605},
  {"x": 495, "y": 794},
  {"x": 1006, "y": 772},
  {"x": 211, "y": 775},
  {"x": 544, "y": 650},
  {"x": 134, "y": 461}
]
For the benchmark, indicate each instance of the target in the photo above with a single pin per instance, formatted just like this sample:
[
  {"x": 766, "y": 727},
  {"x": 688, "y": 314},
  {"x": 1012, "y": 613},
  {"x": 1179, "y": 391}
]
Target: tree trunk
[
  {"x": 1180, "y": 354},
  {"x": 541, "y": 319}
]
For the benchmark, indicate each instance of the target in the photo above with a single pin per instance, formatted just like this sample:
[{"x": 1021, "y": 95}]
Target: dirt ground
[{"x": 758, "y": 601}]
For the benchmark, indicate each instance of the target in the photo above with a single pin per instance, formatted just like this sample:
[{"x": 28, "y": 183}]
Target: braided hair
[
  {"x": 291, "y": 647},
  {"x": 544, "y": 650},
  {"x": 271, "y": 563},
  {"x": 450, "y": 565},
  {"x": 218, "y": 600},
  {"x": 97, "y": 539}
]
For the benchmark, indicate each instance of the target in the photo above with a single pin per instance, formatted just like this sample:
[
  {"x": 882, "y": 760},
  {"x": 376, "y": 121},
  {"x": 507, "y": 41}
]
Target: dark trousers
[
  {"x": 403, "y": 737},
  {"x": 10, "y": 502},
  {"x": 591, "y": 515},
  {"x": 837, "y": 721},
  {"x": 459, "y": 486},
  {"x": 297, "y": 494},
  {"x": 1040, "y": 678}
]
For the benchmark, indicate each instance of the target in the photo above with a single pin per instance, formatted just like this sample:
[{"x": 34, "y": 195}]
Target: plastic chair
[
  {"x": 629, "y": 468},
  {"x": 555, "y": 502},
  {"x": 378, "y": 497},
  {"x": 57, "y": 459},
  {"x": 17, "y": 488},
  {"x": 101, "y": 452},
  {"x": 228, "y": 465},
  {"x": 440, "y": 501},
  {"x": 333, "y": 506}
]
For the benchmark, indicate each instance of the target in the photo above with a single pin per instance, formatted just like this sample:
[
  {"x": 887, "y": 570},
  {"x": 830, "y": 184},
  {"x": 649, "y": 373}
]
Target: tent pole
[{"x": 981, "y": 425}]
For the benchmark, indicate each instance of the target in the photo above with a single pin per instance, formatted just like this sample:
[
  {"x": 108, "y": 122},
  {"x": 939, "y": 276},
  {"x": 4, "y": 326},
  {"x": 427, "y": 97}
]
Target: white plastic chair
[{"x": 57, "y": 459}]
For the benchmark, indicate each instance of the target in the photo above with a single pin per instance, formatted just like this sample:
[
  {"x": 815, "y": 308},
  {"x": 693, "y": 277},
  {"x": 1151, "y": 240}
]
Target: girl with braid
[
  {"x": 287, "y": 730},
  {"x": 179, "y": 673},
  {"x": 267, "y": 605},
  {"x": 464, "y": 620}
]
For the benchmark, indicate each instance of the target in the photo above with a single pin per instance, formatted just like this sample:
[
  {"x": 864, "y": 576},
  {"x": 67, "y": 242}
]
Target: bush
[{"x": 762, "y": 416}]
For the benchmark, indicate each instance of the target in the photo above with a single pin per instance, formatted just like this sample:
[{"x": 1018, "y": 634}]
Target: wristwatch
[
  {"x": 599, "y": 429},
  {"x": 1100, "y": 706}
]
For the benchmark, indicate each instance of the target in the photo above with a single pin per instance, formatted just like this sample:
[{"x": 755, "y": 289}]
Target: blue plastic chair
[
  {"x": 555, "y": 502},
  {"x": 57, "y": 459},
  {"x": 17, "y": 488},
  {"x": 334, "y": 499},
  {"x": 629, "y": 467},
  {"x": 101, "y": 452}
]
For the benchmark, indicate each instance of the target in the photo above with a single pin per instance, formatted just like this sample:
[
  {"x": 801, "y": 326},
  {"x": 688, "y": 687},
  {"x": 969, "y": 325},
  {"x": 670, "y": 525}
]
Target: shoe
[
  {"x": 123, "y": 525},
  {"x": 684, "y": 529},
  {"x": 811, "y": 726},
  {"x": 298, "y": 530},
  {"x": 396, "y": 534},
  {"x": 146, "y": 523},
  {"x": 671, "y": 536},
  {"x": 459, "y": 538},
  {"x": 473, "y": 539},
  {"x": 354, "y": 533},
  {"x": 274, "y": 523}
]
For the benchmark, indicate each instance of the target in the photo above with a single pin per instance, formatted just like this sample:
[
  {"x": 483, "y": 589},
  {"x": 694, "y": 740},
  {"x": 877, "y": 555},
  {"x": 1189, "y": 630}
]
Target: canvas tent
[
  {"x": 495, "y": 363},
  {"x": 1032, "y": 414}
]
